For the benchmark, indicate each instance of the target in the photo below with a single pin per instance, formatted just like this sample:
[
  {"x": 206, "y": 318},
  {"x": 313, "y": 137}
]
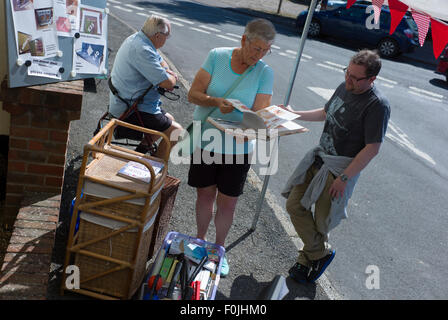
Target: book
[
  {"x": 261, "y": 124},
  {"x": 138, "y": 172}
]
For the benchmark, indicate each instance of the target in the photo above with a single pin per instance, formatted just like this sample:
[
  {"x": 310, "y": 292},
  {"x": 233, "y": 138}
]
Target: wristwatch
[{"x": 343, "y": 177}]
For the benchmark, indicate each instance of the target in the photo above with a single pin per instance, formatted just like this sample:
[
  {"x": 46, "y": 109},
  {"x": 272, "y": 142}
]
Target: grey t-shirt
[{"x": 354, "y": 120}]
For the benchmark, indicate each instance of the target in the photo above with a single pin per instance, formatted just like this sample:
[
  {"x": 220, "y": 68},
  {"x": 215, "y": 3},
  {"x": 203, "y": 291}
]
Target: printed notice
[
  {"x": 35, "y": 28},
  {"x": 45, "y": 68}
]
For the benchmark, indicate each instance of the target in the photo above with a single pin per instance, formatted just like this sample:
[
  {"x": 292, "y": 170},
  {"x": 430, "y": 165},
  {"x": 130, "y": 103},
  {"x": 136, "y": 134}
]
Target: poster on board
[
  {"x": 35, "y": 28},
  {"x": 89, "y": 49}
]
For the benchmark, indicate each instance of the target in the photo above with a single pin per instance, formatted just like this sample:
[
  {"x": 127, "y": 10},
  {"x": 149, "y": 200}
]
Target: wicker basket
[
  {"x": 123, "y": 282},
  {"x": 161, "y": 225}
]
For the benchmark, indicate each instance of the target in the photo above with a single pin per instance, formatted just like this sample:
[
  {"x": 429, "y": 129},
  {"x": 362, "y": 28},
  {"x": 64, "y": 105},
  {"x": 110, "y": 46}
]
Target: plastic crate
[{"x": 208, "y": 245}]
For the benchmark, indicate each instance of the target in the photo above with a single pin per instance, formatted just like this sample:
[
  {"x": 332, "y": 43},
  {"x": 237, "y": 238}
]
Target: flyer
[
  {"x": 45, "y": 68},
  {"x": 89, "y": 49},
  {"x": 35, "y": 28},
  {"x": 66, "y": 15}
]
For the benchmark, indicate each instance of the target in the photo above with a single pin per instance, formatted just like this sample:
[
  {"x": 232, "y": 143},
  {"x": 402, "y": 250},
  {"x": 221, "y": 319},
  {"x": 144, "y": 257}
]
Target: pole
[{"x": 286, "y": 102}]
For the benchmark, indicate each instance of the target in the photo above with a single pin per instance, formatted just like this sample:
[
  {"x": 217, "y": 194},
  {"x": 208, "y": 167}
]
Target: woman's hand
[{"x": 224, "y": 105}]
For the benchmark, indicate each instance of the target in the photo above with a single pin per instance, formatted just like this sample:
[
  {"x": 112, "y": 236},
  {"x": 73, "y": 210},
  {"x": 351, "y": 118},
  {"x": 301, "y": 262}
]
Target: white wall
[{"x": 4, "y": 116}]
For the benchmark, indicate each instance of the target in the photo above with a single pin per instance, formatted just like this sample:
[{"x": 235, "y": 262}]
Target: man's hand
[
  {"x": 224, "y": 105},
  {"x": 172, "y": 73},
  {"x": 337, "y": 188}
]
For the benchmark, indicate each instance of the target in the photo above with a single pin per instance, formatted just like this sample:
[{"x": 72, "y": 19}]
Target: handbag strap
[
  {"x": 237, "y": 82},
  {"x": 229, "y": 91}
]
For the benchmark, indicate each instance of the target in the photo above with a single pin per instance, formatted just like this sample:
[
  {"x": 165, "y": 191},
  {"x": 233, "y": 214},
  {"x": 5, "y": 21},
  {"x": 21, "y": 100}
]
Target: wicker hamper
[
  {"x": 120, "y": 247},
  {"x": 161, "y": 225},
  {"x": 117, "y": 218}
]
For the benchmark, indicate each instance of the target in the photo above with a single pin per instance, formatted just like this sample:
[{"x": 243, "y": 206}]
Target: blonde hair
[{"x": 155, "y": 24}]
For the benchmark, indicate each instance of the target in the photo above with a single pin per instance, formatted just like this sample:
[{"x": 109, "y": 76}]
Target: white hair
[
  {"x": 260, "y": 29},
  {"x": 155, "y": 24}
]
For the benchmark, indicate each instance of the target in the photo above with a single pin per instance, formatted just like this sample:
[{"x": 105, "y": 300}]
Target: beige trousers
[{"x": 312, "y": 230}]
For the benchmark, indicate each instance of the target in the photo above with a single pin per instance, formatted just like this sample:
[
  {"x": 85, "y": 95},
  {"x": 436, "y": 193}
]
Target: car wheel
[
  {"x": 388, "y": 48},
  {"x": 314, "y": 30}
]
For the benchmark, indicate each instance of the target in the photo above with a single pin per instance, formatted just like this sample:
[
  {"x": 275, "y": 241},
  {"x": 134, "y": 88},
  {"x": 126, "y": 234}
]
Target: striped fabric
[
  {"x": 422, "y": 20},
  {"x": 377, "y": 4}
]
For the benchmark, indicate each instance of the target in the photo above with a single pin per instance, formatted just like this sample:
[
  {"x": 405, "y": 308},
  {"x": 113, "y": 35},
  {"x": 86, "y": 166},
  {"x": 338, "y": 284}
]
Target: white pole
[{"x": 286, "y": 102}]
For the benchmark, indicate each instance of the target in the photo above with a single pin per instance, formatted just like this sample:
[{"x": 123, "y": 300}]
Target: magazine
[
  {"x": 138, "y": 172},
  {"x": 269, "y": 118}
]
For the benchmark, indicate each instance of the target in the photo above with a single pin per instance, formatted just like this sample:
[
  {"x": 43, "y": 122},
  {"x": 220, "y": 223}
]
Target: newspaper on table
[{"x": 263, "y": 124}]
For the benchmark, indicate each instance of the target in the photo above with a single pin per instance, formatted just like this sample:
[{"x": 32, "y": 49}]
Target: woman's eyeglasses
[{"x": 259, "y": 50}]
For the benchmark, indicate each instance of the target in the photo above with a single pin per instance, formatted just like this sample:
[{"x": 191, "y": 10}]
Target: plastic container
[{"x": 188, "y": 239}]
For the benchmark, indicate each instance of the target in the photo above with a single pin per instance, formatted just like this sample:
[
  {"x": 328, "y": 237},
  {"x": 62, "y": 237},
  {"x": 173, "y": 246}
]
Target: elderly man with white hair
[{"x": 137, "y": 66}]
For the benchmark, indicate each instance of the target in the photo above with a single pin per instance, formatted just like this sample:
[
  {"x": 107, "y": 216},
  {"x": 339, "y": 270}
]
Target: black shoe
[
  {"x": 144, "y": 148},
  {"x": 299, "y": 272},
  {"x": 318, "y": 266}
]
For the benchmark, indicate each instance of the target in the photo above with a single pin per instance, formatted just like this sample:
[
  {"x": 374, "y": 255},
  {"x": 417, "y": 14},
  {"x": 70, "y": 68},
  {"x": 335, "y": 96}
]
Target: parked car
[
  {"x": 339, "y": 22},
  {"x": 442, "y": 67}
]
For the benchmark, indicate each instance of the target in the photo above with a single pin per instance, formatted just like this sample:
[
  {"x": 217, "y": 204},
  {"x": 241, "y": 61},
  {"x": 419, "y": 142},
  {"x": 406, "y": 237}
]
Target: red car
[{"x": 442, "y": 67}]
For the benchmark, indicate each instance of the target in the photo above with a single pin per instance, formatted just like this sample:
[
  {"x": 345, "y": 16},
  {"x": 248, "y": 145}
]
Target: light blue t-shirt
[
  {"x": 136, "y": 67},
  {"x": 259, "y": 80}
]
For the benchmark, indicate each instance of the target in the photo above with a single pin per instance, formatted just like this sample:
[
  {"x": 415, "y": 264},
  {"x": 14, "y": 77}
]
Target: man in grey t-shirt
[{"x": 356, "y": 118}]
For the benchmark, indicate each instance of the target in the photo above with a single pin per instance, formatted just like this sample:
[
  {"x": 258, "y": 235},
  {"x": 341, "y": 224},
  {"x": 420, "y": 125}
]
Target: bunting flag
[
  {"x": 377, "y": 5},
  {"x": 397, "y": 12},
  {"x": 439, "y": 36},
  {"x": 350, "y": 3},
  {"x": 422, "y": 20}
]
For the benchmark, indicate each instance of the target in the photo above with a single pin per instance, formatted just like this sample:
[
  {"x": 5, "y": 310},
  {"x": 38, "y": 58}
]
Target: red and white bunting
[
  {"x": 350, "y": 3},
  {"x": 377, "y": 5},
  {"x": 439, "y": 36},
  {"x": 397, "y": 12},
  {"x": 422, "y": 20}
]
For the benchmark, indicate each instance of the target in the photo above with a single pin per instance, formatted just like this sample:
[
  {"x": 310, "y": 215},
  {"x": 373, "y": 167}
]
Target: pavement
[{"x": 255, "y": 258}]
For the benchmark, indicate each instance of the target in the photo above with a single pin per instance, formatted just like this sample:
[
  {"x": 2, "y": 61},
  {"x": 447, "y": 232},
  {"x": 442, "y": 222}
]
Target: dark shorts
[
  {"x": 159, "y": 122},
  {"x": 228, "y": 177}
]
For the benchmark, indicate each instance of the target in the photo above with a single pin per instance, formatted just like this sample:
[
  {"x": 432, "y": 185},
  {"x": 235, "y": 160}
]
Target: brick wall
[{"x": 40, "y": 120}]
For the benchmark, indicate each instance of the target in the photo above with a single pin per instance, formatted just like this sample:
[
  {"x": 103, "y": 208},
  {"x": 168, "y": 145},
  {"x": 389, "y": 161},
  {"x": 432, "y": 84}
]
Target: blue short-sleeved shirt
[
  {"x": 136, "y": 67},
  {"x": 259, "y": 80}
]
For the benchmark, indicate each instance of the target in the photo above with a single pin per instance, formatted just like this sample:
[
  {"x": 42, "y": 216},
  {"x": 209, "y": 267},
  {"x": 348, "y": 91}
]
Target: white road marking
[
  {"x": 233, "y": 35},
  {"x": 340, "y": 66},
  {"x": 424, "y": 96},
  {"x": 386, "y": 85},
  {"x": 386, "y": 80},
  {"x": 227, "y": 38},
  {"x": 286, "y": 55},
  {"x": 176, "y": 23},
  {"x": 158, "y": 13},
  {"x": 200, "y": 30},
  {"x": 134, "y": 7},
  {"x": 113, "y": 1},
  {"x": 183, "y": 20},
  {"x": 143, "y": 14},
  {"x": 324, "y": 93},
  {"x": 436, "y": 95},
  {"x": 275, "y": 47},
  {"x": 398, "y": 136},
  {"x": 209, "y": 28},
  {"x": 123, "y": 9},
  {"x": 329, "y": 67}
]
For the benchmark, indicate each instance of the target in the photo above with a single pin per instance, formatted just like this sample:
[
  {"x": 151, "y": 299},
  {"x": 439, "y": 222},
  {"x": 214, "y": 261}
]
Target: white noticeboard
[{"x": 55, "y": 40}]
